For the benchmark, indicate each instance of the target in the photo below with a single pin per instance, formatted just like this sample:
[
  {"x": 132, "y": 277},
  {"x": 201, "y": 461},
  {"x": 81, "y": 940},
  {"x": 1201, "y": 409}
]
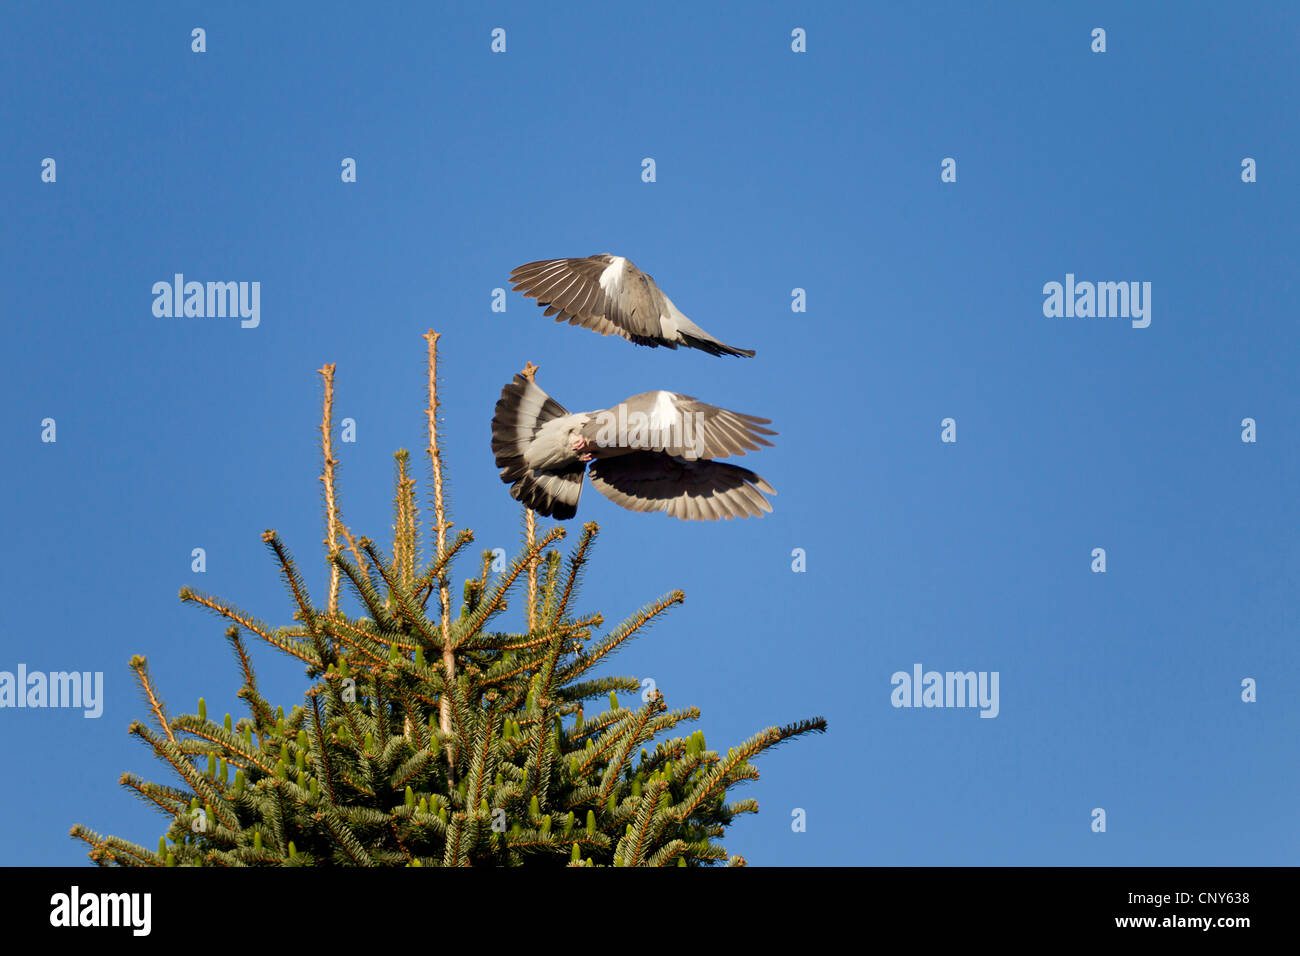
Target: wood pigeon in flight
[
  {"x": 651, "y": 452},
  {"x": 609, "y": 295}
]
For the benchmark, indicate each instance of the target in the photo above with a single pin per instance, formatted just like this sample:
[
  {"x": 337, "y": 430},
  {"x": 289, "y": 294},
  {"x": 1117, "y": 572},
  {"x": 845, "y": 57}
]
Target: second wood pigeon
[{"x": 610, "y": 295}]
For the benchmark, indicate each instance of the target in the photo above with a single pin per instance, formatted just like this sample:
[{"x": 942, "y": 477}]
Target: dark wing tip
[{"x": 716, "y": 348}]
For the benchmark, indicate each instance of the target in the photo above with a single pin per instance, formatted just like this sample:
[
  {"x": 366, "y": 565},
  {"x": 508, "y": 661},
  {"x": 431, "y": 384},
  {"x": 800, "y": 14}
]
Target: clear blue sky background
[{"x": 775, "y": 171}]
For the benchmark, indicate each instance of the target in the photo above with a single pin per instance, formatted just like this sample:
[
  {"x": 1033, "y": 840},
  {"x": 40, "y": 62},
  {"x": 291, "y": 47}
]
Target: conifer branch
[
  {"x": 440, "y": 525},
  {"x": 735, "y": 766},
  {"x": 410, "y": 769},
  {"x": 454, "y": 855},
  {"x": 298, "y": 588},
  {"x": 401, "y": 599},
  {"x": 216, "y": 740},
  {"x": 106, "y": 850},
  {"x": 743, "y": 806},
  {"x": 546, "y": 674},
  {"x": 575, "y": 629},
  {"x": 493, "y": 604},
  {"x": 229, "y": 611},
  {"x": 352, "y": 546},
  {"x": 427, "y": 582},
  {"x": 530, "y": 531},
  {"x": 589, "y": 690},
  {"x": 275, "y": 816},
  {"x": 172, "y": 753},
  {"x": 169, "y": 801},
  {"x": 664, "y": 856},
  {"x": 667, "y": 720},
  {"x": 346, "y": 838},
  {"x": 633, "y": 735},
  {"x": 321, "y": 753},
  {"x": 540, "y": 758},
  {"x": 530, "y": 539},
  {"x": 333, "y": 512},
  {"x": 260, "y": 706},
  {"x": 439, "y": 508},
  {"x": 550, "y": 586},
  {"x": 412, "y": 714},
  {"x": 330, "y": 463},
  {"x": 457, "y": 708},
  {"x": 406, "y": 533},
  {"x": 633, "y": 847},
  {"x": 358, "y": 639},
  {"x": 365, "y": 586},
  {"x": 620, "y": 635},
  {"x": 576, "y": 562},
  {"x": 508, "y": 675},
  {"x": 379, "y": 725},
  {"x": 481, "y": 763},
  {"x": 144, "y": 680}
]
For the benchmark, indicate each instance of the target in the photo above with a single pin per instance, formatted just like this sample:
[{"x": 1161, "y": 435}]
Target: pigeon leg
[{"x": 582, "y": 447}]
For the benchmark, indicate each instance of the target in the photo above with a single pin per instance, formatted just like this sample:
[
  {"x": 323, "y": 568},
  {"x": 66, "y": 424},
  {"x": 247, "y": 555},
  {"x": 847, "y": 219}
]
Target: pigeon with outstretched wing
[
  {"x": 609, "y": 295},
  {"x": 651, "y": 452}
]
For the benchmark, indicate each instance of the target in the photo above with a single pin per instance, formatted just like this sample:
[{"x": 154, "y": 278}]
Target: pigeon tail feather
[{"x": 520, "y": 414}]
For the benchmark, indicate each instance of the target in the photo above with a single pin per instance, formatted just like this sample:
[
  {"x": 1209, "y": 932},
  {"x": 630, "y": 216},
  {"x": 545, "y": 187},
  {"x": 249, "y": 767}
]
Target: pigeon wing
[
  {"x": 690, "y": 490},
  {"x": 689, "y": 428},
  {"x": 572, "y": 291}
]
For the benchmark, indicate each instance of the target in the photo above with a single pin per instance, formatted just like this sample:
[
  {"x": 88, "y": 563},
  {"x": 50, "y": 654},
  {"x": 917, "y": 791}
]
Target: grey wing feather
[
  {"x": 689, "y": 490},
  {"x": 700, "y": 430},
  {"x": 571, "y": 291}
]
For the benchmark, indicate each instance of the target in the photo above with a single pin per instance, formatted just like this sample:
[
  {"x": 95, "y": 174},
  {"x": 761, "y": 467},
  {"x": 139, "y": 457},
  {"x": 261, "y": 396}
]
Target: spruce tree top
[{"x": 426, "y": 738}]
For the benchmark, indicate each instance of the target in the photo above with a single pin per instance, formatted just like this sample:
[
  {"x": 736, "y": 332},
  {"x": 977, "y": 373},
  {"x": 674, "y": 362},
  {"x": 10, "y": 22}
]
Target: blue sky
[{"x": 775, "y": 171}]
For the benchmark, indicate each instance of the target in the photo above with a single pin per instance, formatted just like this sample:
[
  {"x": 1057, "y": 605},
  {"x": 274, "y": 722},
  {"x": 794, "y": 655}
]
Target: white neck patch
[
  {"x": 663, "y": 415},
  {"x": 611, "y": 279}
]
